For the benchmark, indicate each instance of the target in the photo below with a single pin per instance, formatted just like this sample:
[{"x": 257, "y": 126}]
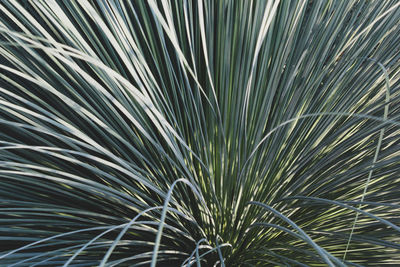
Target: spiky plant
[{"x": 199, "y": 133}]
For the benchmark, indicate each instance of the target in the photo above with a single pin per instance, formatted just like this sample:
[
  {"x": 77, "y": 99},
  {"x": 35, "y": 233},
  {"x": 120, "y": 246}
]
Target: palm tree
[{"x": 199, "y": 133}]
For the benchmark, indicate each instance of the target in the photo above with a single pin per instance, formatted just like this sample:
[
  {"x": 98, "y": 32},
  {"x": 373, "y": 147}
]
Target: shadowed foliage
[{"x": 199, "y": 133}]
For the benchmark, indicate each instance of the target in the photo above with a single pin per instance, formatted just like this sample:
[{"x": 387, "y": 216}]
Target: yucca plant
[{"x": 199, "y": 133}]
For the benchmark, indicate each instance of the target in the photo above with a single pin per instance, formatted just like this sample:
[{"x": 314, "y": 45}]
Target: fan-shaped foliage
[{"x": 203, "y": 133}]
